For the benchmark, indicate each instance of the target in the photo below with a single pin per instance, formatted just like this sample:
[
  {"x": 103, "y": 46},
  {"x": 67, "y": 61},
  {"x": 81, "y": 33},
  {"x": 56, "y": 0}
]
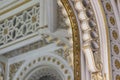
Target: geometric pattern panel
[{"x": 20, "y": 25}]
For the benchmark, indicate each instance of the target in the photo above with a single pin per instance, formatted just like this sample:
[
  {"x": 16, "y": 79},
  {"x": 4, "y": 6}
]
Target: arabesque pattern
[{"x": 20, "y": 25}]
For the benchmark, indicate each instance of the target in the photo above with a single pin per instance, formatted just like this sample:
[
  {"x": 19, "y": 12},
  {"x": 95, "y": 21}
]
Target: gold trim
[
  {"x": 114, "y": 34},
  {"x": 14, "y": 7},
  {"x": 108, "y": 39},
  {"x": 116, "y": 49},
  {"x": 76, "y": 39},
  {"x": 108, "y": 6}
]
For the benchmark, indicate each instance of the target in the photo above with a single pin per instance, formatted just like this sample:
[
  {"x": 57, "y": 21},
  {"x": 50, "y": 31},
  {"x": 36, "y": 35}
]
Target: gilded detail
[
  {"x": 76, "y": 39},
  {"x": 115, "y": 35},
  {"x": 97, "y": 76},
  {"x": 108, "y": 6},
  {"x": 34, "y": 19},
  {"x": 14, "y": 68},
  {"x": 112, "y": 20},
  {"x": 117, "y": 64},
  {"x": 118, "y": 77},
  {"x": 116, "y": 49},
  {"x": 5, "y": 31}
]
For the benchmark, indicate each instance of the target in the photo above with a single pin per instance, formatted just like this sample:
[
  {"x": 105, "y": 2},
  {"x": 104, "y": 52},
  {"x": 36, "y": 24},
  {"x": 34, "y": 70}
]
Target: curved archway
[
  {"x": 91, "y": 30},
  {"x": 44, "y": 65},
  {"x": 45, "y": 72}
]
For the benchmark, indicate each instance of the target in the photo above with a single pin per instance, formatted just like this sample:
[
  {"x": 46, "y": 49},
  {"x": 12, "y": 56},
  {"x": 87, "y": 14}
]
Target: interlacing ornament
[
  {"x": 20, "y": 25},
  {"x": 14, "y": 68},
  {"x": 76, "y": 39},
  {"x": 116, "y": 49}
]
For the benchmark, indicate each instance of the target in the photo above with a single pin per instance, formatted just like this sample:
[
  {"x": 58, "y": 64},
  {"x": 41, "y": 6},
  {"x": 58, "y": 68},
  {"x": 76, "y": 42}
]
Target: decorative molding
[
  {"x": 3, "y": 6},
  {"x": 91, "y": 44},
  {"x": 113, "y": 26},
  {"x": 52, "y": 61},
  {"x": 14, "y": 7},
  {"x": 91, "y": 39},
  {"x": 76, "y": 39}
]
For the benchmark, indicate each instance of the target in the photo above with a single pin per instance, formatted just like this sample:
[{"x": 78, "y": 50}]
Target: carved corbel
[
  {"x": 95, "y": 67},
  {"x": 90, "y": 60}
]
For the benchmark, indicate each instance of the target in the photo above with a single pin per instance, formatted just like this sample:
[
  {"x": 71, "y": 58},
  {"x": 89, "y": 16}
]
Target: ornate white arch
[
  {"x": 46, "y": 59},
  {"x": 96, "y": 41}
]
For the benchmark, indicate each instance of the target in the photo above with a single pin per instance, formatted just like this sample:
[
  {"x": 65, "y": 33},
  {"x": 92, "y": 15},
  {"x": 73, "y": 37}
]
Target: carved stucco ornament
[{"x": 91, "y": 39}]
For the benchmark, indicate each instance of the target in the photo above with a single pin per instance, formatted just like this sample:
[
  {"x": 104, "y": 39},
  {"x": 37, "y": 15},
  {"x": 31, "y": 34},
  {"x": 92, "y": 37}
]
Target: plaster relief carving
[
  {"x": 21, "y": 25},
  {"x": 76, "y": 31}
]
